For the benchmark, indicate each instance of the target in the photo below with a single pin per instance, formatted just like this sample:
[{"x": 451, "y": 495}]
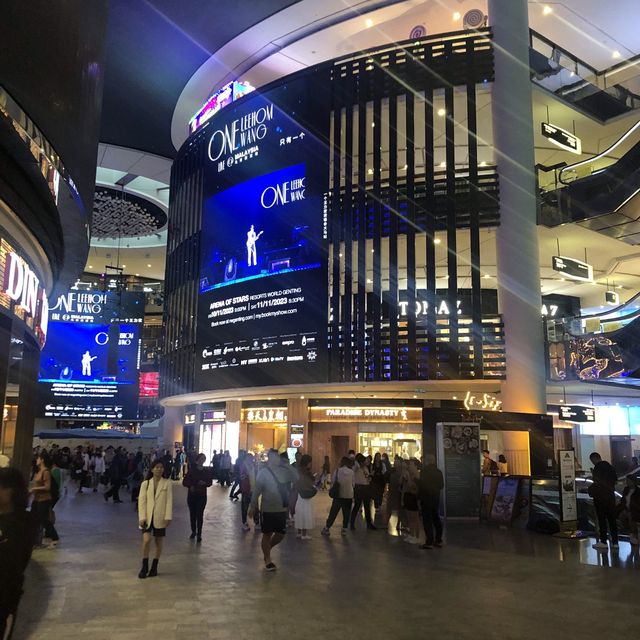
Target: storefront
[
  {"x": 394, "y": 430},
  {"x": 212, "y": 427},
  {"x": 263, "y": 428}
]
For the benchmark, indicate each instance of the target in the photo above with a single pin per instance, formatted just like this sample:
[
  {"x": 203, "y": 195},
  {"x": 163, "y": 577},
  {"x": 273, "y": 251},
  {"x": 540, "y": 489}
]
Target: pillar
[
  {"x": 172, "y": 424},
  {"x": 298, "y": 413},
  {"x": 232, "y": 427},
  {"x": 23, "y": 444},
  {"x": 518, "y": 259}
]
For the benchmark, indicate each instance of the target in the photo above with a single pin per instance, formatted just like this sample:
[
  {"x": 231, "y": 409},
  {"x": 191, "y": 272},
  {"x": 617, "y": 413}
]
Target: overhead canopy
[{"x": 100, "y": 434}]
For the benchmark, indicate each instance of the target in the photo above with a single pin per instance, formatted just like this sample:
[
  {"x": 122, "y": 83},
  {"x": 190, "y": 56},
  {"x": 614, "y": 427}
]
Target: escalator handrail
[
  {"x": 604, "y": 153},
  {"x": 608, "y": 312}
]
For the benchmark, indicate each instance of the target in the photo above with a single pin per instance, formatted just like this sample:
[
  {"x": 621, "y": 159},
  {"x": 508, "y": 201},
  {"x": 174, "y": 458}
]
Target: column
[
  {"x": 171, "y": 424},
  {"x": 233, "y": 413},
  {"x": 517, "y": 252},
  {"x": 298, "y": 413},
  {"x": 23, "y": 444}
]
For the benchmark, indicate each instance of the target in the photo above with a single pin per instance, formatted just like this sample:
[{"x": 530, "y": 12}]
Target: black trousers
[
  {"x": 196, "y": 512},
  {"x": 606, "y": 514},
  {"x": 114, "y": 489},
  {"x": 431, "y": 518},
  {"x": 361, "y": 498},
  {"x": 41, "y": 513},
  {"x": 338, "y": 504}
]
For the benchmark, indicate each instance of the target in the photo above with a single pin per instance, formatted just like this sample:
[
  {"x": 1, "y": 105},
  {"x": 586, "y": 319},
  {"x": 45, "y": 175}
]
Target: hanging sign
[
  {"x": 612, "y": 298},
  {"x": 571, "y": 268},
  {"x": 561, "y": 138},
  {"x": 576, "y": 413}
]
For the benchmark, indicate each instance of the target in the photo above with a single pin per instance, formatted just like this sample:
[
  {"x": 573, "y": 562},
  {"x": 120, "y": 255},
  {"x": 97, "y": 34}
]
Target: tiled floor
[{"x": 485, "y": 583}]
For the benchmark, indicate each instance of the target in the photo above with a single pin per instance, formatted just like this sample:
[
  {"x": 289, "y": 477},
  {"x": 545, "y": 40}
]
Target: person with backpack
[
  {"x": 429, "y": 489},
  {"x": 272, "y": 485},
  {"x": 341, "y": 493},
  {"x": 43, "y": 490}
]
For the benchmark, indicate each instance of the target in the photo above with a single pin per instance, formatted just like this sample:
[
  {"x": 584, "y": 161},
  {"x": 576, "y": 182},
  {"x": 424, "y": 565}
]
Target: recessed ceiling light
[
  {"x": 370, "y": 172},
  {"x": 437, "y": 241},
  {"x": 562, "y": 279},
  {"x": 369, "y": 22},
  {"x": 443, "y": 164},
  {"x": 456, "y": 16},
  {"x": 301, "y": 397},
  {"x": 137, "y": 275},
  {"x": 149, "y": 265},
  {"x": 455, "y": 397},
  {"x": 483, "y": 164},
  {"x": 90, "y": 266},
  {"x": 368, "y": 281},
  {"x": 337, "y": 396},
  {"x": 405, "y": 167},
  {"x": 615, "y": 54},
  {"x": 124, "y": 266},
  {"x": 546, "y": 10},
  {"x": 486, "y": 275},
  {"x": 442, "y": 112},
  {"x": 373, "y": 124}
]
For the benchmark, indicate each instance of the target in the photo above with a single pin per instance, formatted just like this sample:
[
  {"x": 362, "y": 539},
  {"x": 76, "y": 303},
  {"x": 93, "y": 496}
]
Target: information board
[{"x": 263, "y": 301}]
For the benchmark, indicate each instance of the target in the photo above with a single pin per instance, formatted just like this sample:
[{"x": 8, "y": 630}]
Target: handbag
[
  {"x": 334, "y": 492},
  {"x": 307, "y": 493}
]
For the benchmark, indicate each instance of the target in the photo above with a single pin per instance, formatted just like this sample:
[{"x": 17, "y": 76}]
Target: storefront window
[{"x": 405, "y": 445}]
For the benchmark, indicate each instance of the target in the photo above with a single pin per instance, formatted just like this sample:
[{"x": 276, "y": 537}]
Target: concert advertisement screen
[
  {"x": 262, "y": 312},
  {"x": 89, "y": 366}
]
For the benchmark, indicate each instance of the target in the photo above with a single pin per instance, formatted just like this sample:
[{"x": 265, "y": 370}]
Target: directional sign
[
  {"x": 571, "y": 268},
  {"x": 577, "y": 413},
  {"x": 561, "y": 138}
]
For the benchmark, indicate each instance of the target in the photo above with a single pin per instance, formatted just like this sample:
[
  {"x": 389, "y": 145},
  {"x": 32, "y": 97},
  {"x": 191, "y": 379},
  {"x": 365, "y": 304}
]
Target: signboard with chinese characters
[
  {"x": 561, "y": 138},
  {"x": 571, "y": 268},
  {"x": 484, "y": 401},
  {"x": 267, "y": 414},
  {"x": 576, "y": 413},
  {"x": 366, "y": 414},
  {"x": 568, "y": 500}
]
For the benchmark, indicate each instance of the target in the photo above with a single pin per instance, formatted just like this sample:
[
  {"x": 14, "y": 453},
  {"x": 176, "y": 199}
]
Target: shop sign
[
  {"x": 265, "y": 415},
  {"x": 297, "y": 435},
  {"x": 366, "y": 414},
  {"x": 561, "y": 138},
  {"x": 213, "y": 416},
  {"x": 612, "y": 298},
  {"x": 190, "y": 418},
  {"x": 568, "y": 502},
  {"x": 576, "y": 413},
  {"x": 22, "y": 286},
  {"x": 484, "y": 401},
  {"x": 574, "y": 269}
]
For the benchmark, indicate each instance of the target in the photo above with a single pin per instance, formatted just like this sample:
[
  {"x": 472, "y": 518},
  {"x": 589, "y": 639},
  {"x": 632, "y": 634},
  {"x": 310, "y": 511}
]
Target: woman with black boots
[
  {"x": 197, "y": 480},
  {"x": 155, "y": 511}
]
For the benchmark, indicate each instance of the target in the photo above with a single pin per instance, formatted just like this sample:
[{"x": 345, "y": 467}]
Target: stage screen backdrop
[
  {"x": 89, "y": 366},
  {"x": 263, "y": 292}
]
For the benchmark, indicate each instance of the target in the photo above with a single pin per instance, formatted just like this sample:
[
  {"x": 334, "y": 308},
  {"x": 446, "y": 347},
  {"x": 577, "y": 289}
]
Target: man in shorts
[{"x": 272, "y": 484}]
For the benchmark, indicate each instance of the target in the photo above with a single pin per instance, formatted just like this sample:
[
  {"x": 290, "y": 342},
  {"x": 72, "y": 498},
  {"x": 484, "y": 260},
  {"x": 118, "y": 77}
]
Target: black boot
[
  {"x": 145, "y": 568},
  {"x": 154, "y": 568}
]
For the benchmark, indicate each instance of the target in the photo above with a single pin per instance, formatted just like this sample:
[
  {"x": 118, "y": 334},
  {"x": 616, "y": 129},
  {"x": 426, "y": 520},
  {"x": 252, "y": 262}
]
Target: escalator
[{"x": 599, "y": 193}]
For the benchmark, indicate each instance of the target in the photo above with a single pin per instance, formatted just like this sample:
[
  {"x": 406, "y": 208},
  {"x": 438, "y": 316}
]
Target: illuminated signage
[
  {"x": 612, "y": 298},
  {"x": 571, "y": 268},
  {"x": 22, "y": 286},
  {"x": 297, "y": 435},
  {"x": 484, "y": 401},
  {"x": 265, "y": 415},
  {"x": 221, "y": 98},
  {"x": 190, "y": 418},
  {"x": 366, "y": 414},
  {"x": 213, "y": 416},
  {"x": 99, "y": 306},
  {"x": 576, "y": 413},
  {"x": 561, "y": 138}
]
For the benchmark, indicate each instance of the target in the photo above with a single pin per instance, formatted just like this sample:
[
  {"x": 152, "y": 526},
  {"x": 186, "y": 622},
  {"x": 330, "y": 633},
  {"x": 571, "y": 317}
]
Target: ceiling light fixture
[
  {"x": 369, "y": 22},
  {"x": 437, "y": 241},
  {"x": 546, "y": 10},
  {"x": 615, "y": 55},
  {"x": 442, "y": 112},
  {"x": 456, "y": 16},
  {"x": 486, "y": 275},
  {"x": 443, "y": 164},
  {"x": 149, "y": 266}
]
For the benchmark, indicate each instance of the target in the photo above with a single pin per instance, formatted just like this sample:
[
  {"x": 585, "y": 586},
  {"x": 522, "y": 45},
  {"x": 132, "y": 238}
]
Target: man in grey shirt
[{"x": 272, "y": 483}]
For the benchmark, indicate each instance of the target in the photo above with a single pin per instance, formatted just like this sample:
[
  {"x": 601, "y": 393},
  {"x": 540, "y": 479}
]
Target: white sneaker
[
  {"x": 305, "y": 538},
  {"x": 600, "y": 546}
]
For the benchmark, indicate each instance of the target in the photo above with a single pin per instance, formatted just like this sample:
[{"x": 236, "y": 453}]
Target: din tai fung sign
[
  {"x": 21, "y": 286},
  {"x": 366, "y": 414}
]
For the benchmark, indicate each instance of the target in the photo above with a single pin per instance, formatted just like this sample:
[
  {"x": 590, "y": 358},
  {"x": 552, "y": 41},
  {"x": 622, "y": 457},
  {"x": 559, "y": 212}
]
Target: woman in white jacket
[{"x": 155, "y": 511}]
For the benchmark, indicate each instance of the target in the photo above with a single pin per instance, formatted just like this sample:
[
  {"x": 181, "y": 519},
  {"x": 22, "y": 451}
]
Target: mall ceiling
[{"x": 153, "y": 47}]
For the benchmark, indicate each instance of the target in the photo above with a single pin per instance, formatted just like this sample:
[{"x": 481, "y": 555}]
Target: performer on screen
[
  {"x": 252, "y": 238},
  {"x": 87, "y": 359}
]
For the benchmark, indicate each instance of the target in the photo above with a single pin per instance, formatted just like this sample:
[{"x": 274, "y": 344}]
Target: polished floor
[{"x": 485, "y": 583}]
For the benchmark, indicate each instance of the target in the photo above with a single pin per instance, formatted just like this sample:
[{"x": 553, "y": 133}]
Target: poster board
[{"x": 567, "y": 488}]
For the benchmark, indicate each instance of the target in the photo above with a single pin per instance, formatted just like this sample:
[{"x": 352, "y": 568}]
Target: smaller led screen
[{"x": 149, "y": 383}]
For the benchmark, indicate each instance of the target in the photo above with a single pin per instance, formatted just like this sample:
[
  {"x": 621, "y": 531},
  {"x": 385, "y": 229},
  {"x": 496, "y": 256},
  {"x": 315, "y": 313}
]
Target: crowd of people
[{"x": 274, "y": 493}]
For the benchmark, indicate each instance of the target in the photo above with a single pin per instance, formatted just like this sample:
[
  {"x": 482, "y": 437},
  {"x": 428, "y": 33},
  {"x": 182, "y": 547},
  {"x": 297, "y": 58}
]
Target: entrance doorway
[{"x": 339, "y": 449}]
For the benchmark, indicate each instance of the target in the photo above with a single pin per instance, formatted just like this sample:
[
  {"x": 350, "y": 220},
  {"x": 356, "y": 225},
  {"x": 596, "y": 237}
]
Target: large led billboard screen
[
  {"x": 262, "y": 308},
  {"x": 89, "y": 366}
]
